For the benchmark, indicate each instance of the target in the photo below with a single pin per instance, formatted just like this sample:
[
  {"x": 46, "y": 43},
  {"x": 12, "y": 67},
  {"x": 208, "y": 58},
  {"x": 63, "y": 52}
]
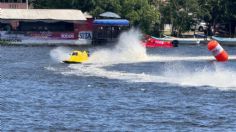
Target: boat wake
[
  {"x": 215, "y": 75},
  {"x": 174, "y": 75},
  {"x": 60, "y": 54}
]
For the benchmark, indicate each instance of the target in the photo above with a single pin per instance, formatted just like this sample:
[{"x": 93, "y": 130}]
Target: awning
[
  {"x": 42, "y": 14},
  {"x": 111, "y": 22}
]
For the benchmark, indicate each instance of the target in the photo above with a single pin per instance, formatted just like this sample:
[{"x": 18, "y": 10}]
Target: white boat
[
  {"x": 225, "y": 41},
  {"x": 185, "y": 41}
]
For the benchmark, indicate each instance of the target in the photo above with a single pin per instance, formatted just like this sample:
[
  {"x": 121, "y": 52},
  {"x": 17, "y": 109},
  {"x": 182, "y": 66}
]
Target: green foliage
[
  {"x": 184, "y": 13},
  {"x": 180, "y": 14},
  {"x": 149, "y": 14},
  {"x": 84, "y": 5},
  {"x": 105, "y": 5},
  {"x": 140, "y": 12}
]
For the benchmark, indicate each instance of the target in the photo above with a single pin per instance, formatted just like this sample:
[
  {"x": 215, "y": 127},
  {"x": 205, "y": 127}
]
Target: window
[
  {"x": 74, "y": 54},
  {"x": 4, "y": 1},
  {"x": 44, "y": 26},
  {"x": 13, "y": 1}
]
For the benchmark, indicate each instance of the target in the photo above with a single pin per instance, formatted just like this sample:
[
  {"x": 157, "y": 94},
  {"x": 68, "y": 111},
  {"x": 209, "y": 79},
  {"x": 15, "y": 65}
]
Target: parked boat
[
  {"x": 185, "y": 41},
  {"x": 225, "y": 41}
]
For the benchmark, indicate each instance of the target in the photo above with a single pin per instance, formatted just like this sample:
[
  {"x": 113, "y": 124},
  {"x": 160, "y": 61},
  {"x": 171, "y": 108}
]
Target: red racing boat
[{"x": 152, "y": 42}]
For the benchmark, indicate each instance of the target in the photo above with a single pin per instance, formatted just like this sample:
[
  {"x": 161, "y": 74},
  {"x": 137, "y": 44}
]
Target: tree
[
  {"x": 140, "y": 12},
  {"x": 220, "y": 11},
  {"x": 180, "y": 14},
  {"x": 84, "y": 5},
  {"x": 106, "y": 5}
]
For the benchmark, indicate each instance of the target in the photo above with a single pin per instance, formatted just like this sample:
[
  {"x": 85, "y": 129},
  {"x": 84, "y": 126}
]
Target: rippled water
[{"x": 178, "y": 89}]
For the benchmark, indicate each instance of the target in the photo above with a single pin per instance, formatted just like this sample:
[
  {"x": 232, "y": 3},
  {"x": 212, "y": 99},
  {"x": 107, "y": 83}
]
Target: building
[
  {"x": 45, "y": 26},
  {"x": 14, "y": 4},
  {"x": 108, "y": 30},
  {"x": 57, "y": 27}
]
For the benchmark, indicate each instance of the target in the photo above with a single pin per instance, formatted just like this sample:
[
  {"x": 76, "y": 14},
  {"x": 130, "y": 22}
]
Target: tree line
[{"x": 151, "y": 15}]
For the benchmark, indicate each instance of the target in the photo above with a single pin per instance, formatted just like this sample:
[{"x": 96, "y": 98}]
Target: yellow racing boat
[{"x": 78, "y": 57}]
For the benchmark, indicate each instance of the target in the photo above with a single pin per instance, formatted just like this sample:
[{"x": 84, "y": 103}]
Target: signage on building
[
  {"x": 67, "y": 35},
  {"x": 85, "y": 35}
]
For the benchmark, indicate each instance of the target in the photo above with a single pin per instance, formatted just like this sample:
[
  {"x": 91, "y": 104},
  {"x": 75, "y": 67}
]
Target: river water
[{"x": 122, "y": 88}]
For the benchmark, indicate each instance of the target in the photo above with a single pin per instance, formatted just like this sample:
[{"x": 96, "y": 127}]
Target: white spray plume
[
  {"x": 60, "y": 53},
  {"x": 128, "y": 49}
]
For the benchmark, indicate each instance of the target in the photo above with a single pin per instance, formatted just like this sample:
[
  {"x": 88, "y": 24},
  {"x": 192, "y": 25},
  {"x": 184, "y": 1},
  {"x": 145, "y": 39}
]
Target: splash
[
  {"x": 60, "y": 53},
  {"x": 215, "y": 76},
  {"x": 166, "y": 58},
  {"x": 128, "y": 49}
]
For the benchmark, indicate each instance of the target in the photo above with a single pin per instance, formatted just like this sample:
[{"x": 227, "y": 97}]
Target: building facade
[
  {"x": 14, "y": 4},
  {"x": 44, "y": 26}
]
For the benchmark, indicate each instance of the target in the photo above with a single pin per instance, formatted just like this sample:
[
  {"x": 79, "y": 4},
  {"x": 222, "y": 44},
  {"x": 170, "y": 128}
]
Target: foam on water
[
  {"x": 217, "y": 75},
  {"x": 161, "y": 58},
  {"x": 223, "y": 79},
  {"x": 129, "y": 50},
  {"x": 60, "y": 53}
]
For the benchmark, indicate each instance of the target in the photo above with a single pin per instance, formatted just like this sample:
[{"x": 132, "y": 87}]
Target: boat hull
[
  {"x": 71, "y": 62},
  {"x": 153, "y": 42},
  {"x": 185, "y": 41},
  {"x": 225, "y": 41}
]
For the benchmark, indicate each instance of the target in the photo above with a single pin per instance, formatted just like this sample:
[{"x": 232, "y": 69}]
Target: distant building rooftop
[{"x": 42, "y": 14}]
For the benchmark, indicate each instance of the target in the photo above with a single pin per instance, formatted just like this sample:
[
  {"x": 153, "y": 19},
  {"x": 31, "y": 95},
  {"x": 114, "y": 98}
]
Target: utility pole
[{"x": 27, "y": 4}]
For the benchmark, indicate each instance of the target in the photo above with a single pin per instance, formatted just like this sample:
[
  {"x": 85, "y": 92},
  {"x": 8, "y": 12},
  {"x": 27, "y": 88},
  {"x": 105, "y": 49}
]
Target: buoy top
[{"x": 212, "y": 45}]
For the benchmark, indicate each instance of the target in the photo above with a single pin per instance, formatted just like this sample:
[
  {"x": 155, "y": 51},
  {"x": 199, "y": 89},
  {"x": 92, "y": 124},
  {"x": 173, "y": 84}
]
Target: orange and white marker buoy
[{"x": 216, "y": 49}]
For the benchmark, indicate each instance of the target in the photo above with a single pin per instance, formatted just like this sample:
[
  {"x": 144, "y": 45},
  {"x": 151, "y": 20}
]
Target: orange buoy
[{"x": 216, "y": 49}]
